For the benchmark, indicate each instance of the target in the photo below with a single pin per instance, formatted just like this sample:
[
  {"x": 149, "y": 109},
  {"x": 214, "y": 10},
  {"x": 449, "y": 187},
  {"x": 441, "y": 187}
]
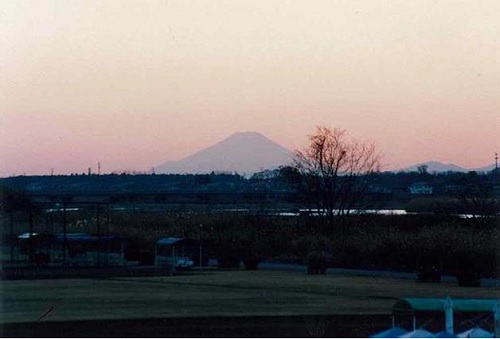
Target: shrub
[
  {"x": 251, "y": 262},
  {"x": 429, "y": 268},
  {"x": 318, "y": 262}
]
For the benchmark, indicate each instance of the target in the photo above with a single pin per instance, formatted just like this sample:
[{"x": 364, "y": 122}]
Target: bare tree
[
  {"x": 333, "y": 164},
  {"x": 476, "y": 195}
]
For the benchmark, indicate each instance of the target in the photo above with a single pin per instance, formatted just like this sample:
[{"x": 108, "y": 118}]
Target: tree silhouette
[
  {"x": 15, "y": 201},
  {"x": 477, "y": 195},
  {"x": 332, "y": 165}
]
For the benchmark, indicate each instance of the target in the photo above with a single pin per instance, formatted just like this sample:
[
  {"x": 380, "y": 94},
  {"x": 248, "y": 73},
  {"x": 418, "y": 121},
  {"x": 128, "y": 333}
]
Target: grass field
[{"x": 213, "y": 293}]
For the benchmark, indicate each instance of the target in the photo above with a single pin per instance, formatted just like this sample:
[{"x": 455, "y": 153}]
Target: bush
[
  {"x": 228, "y": 257},
  {"x": 251, "y": 262},
  {"x": 429, "y": 269},
  {"x": 307, "y": 244},
  {"x": 468, "y": 269},
  {"x": 318, "y": 262}
]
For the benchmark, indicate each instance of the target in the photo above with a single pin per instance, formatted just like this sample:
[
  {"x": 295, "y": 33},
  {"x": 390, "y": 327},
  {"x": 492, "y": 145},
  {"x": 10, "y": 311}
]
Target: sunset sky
[{"x": 135, "y": 83}]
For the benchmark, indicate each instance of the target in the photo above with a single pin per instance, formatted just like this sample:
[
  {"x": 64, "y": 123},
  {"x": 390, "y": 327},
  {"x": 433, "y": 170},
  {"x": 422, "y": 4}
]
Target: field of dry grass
[{"x": 213, "y": 293}]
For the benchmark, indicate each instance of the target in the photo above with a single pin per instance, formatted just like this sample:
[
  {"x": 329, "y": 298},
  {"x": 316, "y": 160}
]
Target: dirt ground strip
[{"x": 213, "y": 327}]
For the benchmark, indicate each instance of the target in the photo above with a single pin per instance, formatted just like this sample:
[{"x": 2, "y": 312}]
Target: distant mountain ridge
[
  {"x": 242, "y": 152},
  {"x": 250, "y": 152},
  {"x": 436, "y": 166}
]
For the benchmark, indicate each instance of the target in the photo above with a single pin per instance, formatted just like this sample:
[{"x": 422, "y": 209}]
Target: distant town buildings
[{"x": 421, "y": 188}]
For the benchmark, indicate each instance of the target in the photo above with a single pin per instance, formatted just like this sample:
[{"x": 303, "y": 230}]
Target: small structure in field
[
  {"x": 89, "y": 250},
  {"x": 178, "y": 253},
  {"x": 72, "y": 249}
]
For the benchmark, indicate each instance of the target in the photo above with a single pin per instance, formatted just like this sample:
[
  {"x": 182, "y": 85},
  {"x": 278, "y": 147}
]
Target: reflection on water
[{"x": 287, "y": 213}]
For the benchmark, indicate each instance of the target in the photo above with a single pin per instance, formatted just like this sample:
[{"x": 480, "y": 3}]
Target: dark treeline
[
  {"x": 283, "y": 178},
  {"x": 450, "y": 192},
  {"x": 81, "y": 184}
]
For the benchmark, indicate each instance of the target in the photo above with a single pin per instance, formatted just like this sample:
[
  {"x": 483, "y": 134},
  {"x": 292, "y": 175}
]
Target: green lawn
[{"x": 215, "y": 293}]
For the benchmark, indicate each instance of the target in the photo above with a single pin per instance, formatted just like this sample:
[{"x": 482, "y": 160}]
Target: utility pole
[
  {"x": 65, "y": 239},
  {"x": 98, "y": 236},
  {"x": 107, "y": 234}
]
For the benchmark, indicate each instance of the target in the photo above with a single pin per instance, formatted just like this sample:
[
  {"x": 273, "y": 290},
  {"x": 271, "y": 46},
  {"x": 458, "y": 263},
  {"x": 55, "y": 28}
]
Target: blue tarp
[
  {"x": 475, "y": 333},
  {"x": 445, "y": 334},
  {"x": 390, "y": 333},
  {"x": 417, "y": 334}
]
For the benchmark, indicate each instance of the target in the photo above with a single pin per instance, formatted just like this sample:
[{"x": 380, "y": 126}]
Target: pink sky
[{"x": 135, "y": 83}]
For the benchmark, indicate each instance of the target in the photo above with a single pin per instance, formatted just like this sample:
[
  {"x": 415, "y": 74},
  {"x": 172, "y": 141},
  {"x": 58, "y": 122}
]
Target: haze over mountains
[
  {"x": 436, "y": 166},
  {"x": 250, "y": 152}
]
